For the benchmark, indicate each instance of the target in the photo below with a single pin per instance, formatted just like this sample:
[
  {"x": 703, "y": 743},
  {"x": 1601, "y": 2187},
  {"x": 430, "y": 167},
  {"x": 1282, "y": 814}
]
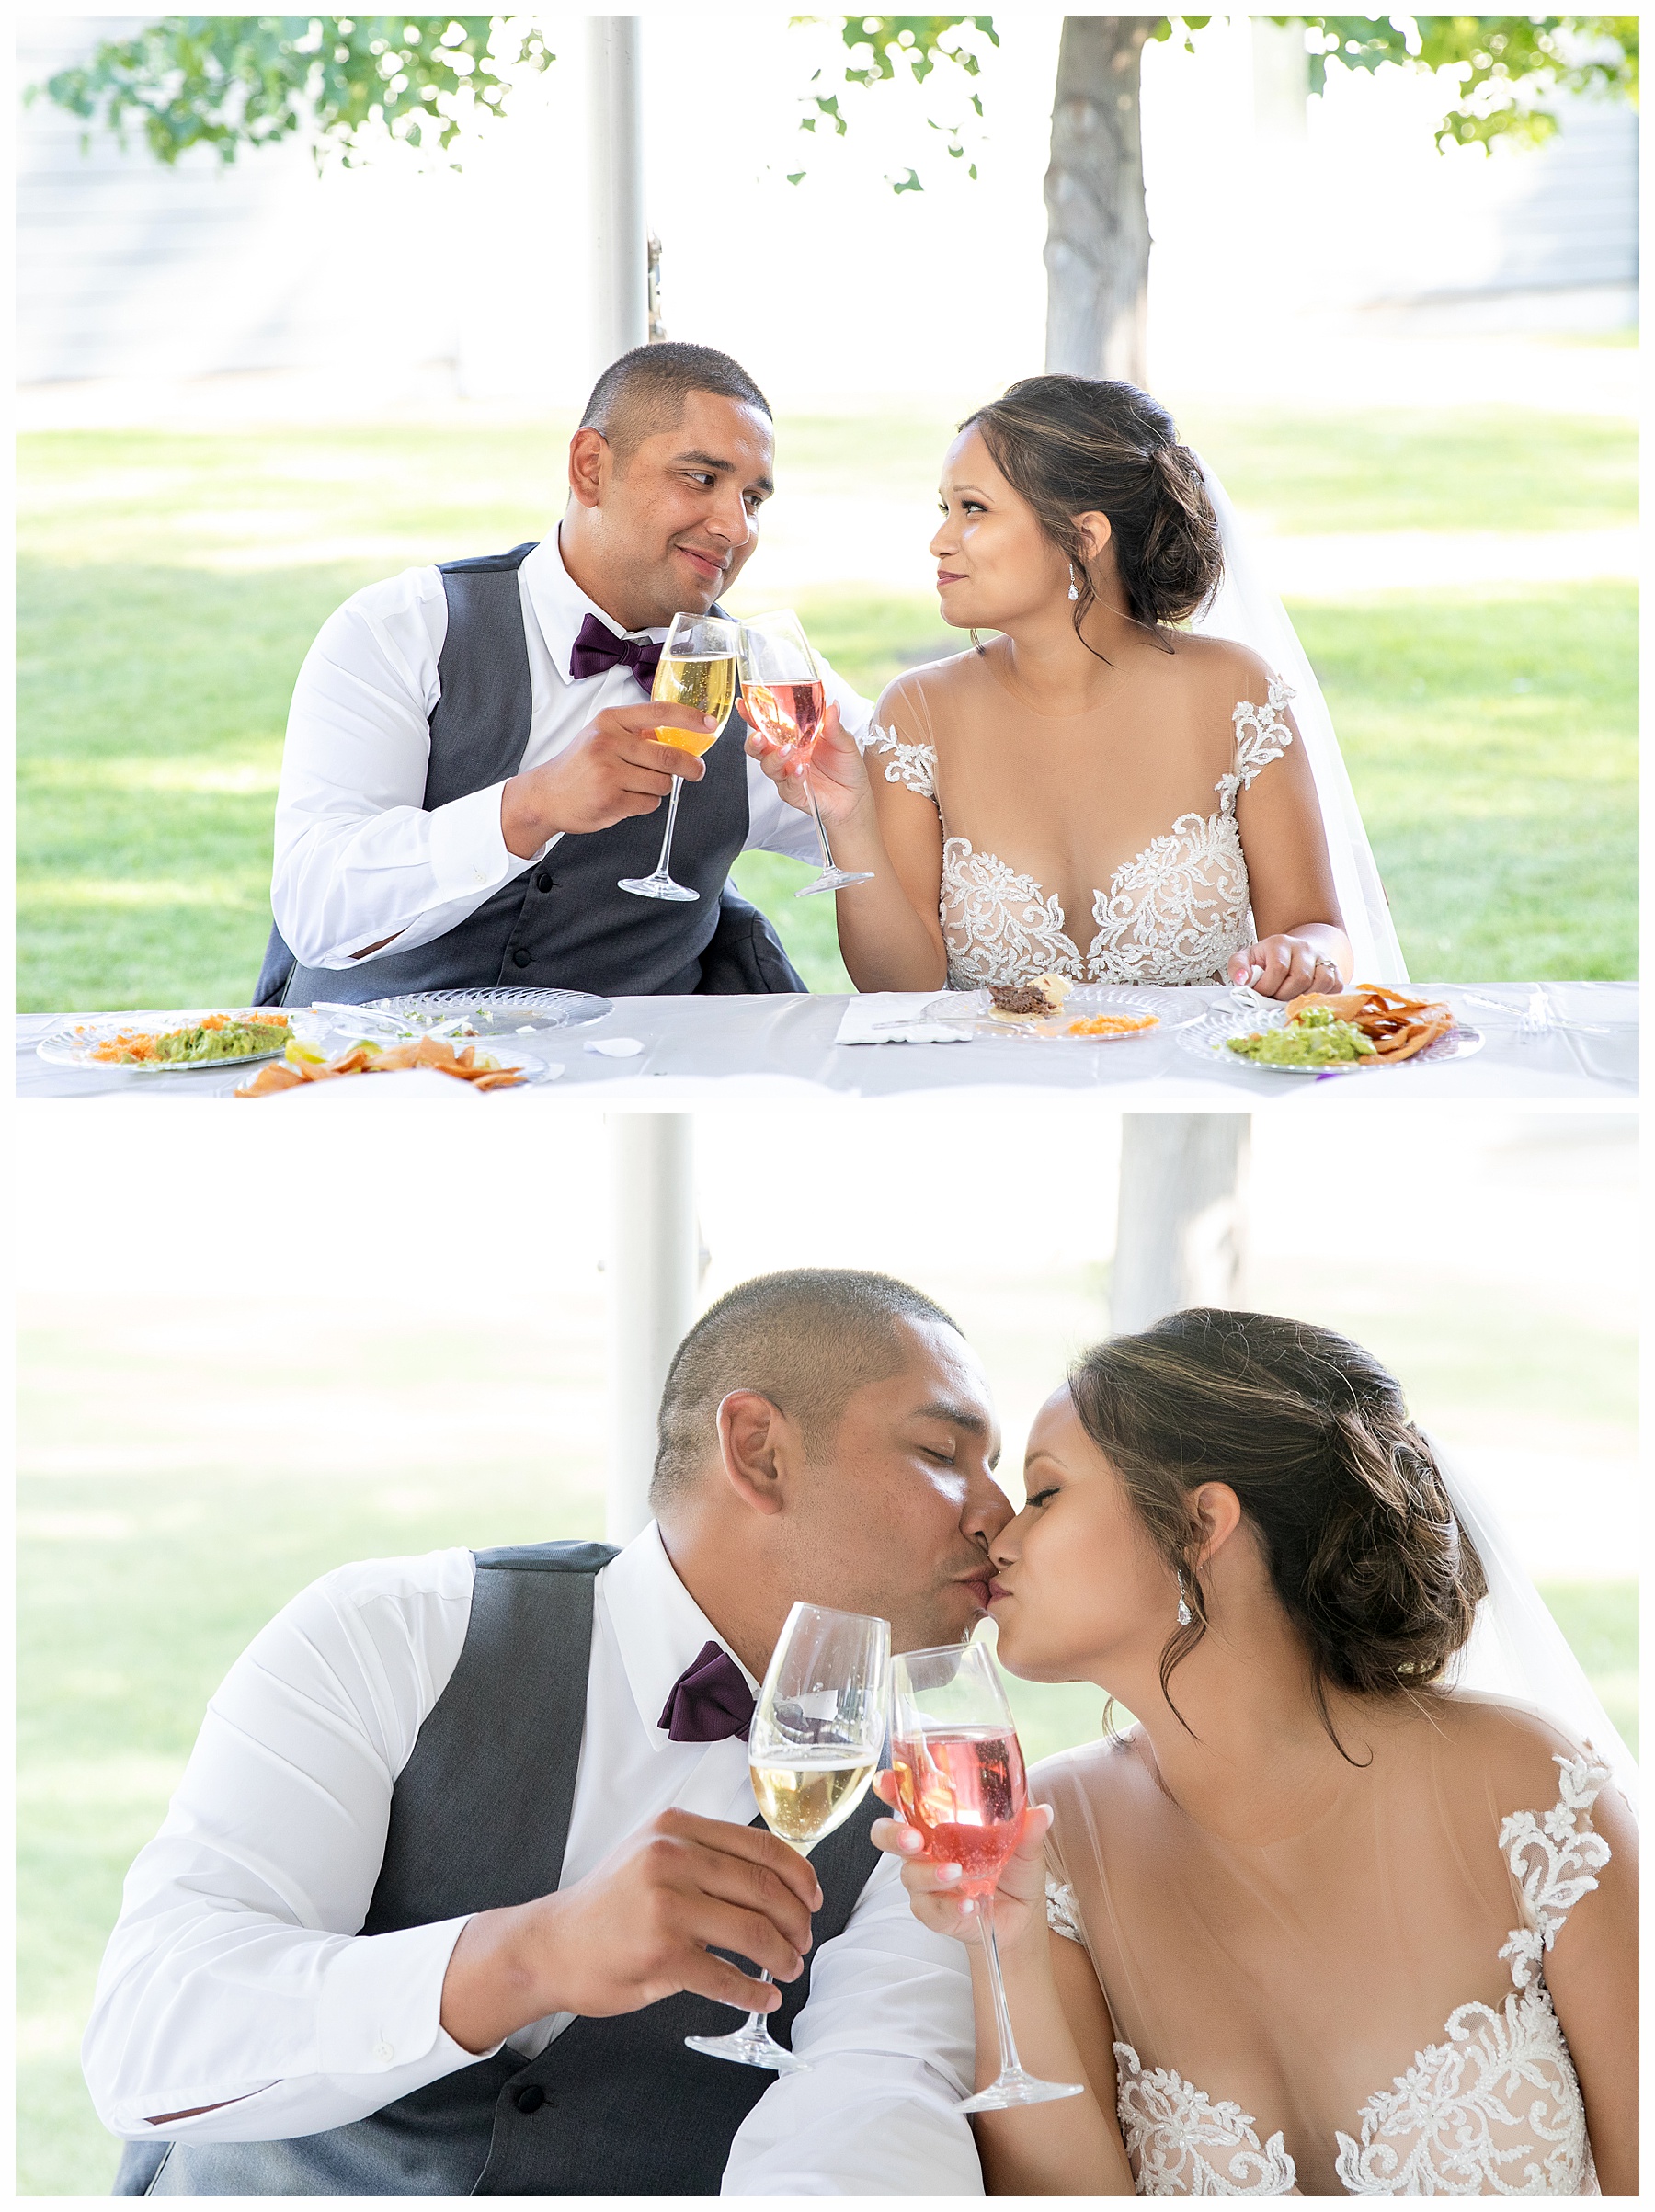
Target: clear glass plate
[
  {"x": 971, "y": 1009},
  {"x": 1207, "y": 1039},
  {"x": 73, "y": 1042},
  {"x": 502, "y": 1013}
]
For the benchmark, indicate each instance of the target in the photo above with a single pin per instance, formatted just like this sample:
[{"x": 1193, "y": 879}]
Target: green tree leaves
[{"x": 232, "y": 82}]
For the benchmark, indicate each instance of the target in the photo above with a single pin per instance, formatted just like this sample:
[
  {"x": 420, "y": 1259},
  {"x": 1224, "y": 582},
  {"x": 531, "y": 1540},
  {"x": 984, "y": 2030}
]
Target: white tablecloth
[{"x": 1559, "y": 1042}]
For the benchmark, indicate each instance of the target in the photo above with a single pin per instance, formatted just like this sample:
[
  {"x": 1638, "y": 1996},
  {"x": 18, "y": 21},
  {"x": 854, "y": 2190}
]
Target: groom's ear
[{"x": 752, "y": 1444}]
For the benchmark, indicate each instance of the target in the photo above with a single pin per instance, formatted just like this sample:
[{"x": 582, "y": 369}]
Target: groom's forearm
[{"x": 501, "y": 1975}]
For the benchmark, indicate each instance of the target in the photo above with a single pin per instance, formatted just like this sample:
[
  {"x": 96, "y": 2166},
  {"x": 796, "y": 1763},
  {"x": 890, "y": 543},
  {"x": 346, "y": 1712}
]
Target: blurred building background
[{"x": 1267, "y": 207}]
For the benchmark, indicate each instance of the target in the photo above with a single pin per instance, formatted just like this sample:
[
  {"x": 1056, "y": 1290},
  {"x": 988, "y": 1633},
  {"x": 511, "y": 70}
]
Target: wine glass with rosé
[
  {"x": 813, "y": 1749},
  {"x": 788, "y": 702},
  {"x": 960, "y": 1782},
  {"x": 697, "y": 668}
]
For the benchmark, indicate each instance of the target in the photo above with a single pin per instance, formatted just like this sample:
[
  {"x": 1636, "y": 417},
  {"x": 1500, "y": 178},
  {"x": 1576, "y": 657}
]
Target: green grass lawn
[{"x": 168, "y": 586}]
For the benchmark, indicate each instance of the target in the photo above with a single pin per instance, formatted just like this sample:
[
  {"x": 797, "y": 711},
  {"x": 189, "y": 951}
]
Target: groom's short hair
[
  {"x": 645, "y": 390},
  {"x": 806, "y": 1339}
]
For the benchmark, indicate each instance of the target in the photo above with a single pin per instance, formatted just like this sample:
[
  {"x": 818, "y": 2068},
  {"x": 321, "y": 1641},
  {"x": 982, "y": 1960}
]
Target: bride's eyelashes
[{"x": 1043, "y": 1496}]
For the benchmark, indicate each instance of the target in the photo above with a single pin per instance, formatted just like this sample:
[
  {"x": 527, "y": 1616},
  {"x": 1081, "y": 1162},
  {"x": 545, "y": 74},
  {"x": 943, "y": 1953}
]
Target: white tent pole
[
  {"x": 620, "y": 234},
  {"x": 1182, "y": 1235},
  {"x": 652, "y": 1273}
]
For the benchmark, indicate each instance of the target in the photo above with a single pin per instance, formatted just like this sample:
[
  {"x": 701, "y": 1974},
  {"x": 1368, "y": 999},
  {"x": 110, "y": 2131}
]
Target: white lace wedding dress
[
  {"x": 1493, "y": 2108},
  {"x": 1173, "y": 907}
]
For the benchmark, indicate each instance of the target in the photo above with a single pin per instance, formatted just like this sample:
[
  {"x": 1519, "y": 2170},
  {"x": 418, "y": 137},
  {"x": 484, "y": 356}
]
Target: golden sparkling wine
[
  {"x": 706, "y": 684},
  {"x": 805, "y": 1800}
]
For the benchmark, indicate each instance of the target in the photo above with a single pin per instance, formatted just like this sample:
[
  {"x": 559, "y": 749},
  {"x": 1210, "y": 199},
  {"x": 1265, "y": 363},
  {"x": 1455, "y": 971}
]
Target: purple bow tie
[
  {"x": 598, "y": 650},
  {"x": 708, "y": 1701}
]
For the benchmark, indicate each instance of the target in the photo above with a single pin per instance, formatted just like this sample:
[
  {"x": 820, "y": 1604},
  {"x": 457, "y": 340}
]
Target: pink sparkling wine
[
  {"x": 964, "y": 1791},
  {"x": 790, "y": 715}
]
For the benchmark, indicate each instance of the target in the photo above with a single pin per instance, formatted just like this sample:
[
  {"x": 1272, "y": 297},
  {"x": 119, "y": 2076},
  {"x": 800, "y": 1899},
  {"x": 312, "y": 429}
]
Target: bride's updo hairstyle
[
  {"x": 1074, "y": 445},
  {"x": 1311, "y": 1434}
]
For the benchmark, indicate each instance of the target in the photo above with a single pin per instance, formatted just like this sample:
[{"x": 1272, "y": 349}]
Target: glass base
[
  {"x": 748, "y": 2047},
  {"x": 656, "y": 887},
  {"x": 1015, "y": 2087},
  {"x": 834, "y": 879}
]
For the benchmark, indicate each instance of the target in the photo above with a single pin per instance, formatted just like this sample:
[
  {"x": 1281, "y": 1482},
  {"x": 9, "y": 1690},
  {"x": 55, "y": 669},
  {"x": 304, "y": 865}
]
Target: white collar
[
  {"x": 560, "y": 605},
  {"x": 658, "y": 1625}
]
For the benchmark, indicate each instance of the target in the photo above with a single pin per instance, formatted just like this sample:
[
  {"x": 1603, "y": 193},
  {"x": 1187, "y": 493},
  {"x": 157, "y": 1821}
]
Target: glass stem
[
  {"x": 677, "y": 785},
  {"x": 1009, "y": 2061},
  {"x": 828, "y": 860},
  {"x": 757, "y": 2021}
]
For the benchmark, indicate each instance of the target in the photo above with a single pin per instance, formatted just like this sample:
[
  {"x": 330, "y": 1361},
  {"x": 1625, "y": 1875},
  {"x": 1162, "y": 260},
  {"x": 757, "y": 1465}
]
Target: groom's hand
[
  {"x": 614, "y": 768},
  {"x": 640, "y": 1927}
]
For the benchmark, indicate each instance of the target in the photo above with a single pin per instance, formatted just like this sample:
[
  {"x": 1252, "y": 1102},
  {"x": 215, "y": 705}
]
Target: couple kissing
[{"x": 467, "y": 1845}]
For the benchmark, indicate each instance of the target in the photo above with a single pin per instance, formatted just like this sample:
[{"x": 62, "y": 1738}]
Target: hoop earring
[
  {"x": 1184, "y": 1615},
  {"x": 1074, "y": 587}
]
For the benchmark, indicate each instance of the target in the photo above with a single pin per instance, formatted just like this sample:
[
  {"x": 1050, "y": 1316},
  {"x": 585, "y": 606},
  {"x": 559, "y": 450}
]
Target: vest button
[
  {"x": 531, "y": 2098},
  {"x": 523, "y": 956},
  {"x": 542, "y": 882}
]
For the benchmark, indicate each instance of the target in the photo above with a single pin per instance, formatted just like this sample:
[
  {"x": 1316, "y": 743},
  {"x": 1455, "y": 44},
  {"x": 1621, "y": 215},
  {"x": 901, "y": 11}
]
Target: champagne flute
[
  {"x": 959, "y": 1780},
  {"x": 813, "y": 1748},
  {"x": 697, "y": 668},
  {"x": 787, "y": 699}
]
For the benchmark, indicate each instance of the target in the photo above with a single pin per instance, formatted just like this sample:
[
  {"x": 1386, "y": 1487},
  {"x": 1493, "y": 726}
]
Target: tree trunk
[
  {"x": 1182, "y": 1236},
  {"x": 1097, "y": 253}
]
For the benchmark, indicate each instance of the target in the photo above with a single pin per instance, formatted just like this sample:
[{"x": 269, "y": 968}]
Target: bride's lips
[
  {"x": 996, "y": 1591},
  {"x": 945, "y": 577}
]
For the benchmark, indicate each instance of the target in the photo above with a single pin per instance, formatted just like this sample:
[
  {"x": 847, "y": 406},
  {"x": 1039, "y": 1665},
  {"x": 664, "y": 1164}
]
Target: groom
[
  {"x": 467, "y": 1845},
  {"x": 471, "y": 764}
]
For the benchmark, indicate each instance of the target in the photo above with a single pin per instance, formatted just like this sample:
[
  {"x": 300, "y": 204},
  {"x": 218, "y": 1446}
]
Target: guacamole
[
  {"x": 225, "y": 1041},
  {"x": 1316, "y": 1039}
]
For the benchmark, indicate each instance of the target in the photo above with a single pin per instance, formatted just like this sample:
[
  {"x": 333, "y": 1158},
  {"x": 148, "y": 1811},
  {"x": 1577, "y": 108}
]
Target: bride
[
  {"x": 1098, "y": 791},
  {"x": 1317, "y": 1922}
]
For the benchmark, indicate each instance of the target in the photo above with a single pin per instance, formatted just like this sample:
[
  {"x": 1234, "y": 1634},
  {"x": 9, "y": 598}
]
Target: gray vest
[
  {"x": 479, "y": 1819},
  {"x": 564, "y": 924}
]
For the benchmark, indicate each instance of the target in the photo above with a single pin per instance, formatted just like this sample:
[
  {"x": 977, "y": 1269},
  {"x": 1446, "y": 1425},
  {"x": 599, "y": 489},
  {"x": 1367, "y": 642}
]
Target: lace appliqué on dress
[
  {"x": 1565, "y": 1864},
  {"x": 1173, "y": 914},
  {"x": 996, "y": 924},
  {"x": 1170, "y": 2128},
  {"x": 1261, "y": 736},
  {"x": 914, "y": 765},
  {"x": 1496, "y": 2110},
  {"x": 1176, "y": 913},
  {"x": 1063, "y": 1914}
]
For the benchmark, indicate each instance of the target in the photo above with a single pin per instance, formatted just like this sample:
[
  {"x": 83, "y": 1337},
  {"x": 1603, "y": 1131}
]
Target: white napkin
[{"x": 897, "y": 1017}]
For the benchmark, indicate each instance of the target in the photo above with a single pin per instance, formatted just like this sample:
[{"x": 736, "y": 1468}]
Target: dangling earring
[
  {"x": 1074, "y": 587},
  {"x": 1184, "y": 1615}
]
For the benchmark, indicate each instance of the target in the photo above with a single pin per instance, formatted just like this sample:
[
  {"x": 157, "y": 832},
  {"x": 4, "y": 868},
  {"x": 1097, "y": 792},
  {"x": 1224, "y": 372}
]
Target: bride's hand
[
  {"x": 934, "y": 1886},
  {"x": 836, "y": 775},
  {"x": 1282, "y": 967}
]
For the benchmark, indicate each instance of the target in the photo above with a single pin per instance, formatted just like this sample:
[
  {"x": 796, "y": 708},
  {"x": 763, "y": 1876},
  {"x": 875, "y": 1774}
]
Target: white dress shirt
[
  {"x": 358, "y": 858},
  {"x": 235, "y": 1977}
]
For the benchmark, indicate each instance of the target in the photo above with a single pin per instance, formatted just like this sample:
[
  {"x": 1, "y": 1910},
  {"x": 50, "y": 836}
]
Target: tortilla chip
[{"x": 269, "y": 1079}]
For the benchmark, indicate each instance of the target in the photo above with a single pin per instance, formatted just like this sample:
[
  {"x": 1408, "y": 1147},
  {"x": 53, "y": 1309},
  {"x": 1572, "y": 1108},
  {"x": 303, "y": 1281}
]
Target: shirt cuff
[
  {"x": 468, "y": 855},
  {"x": 381, "y": 2002}
]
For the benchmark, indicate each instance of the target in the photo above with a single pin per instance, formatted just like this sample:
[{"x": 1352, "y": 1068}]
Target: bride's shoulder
[
  {"x": 1506, "y": 1751},
  {"x": 1230, "y": 669},
  {"x": 931, "y": 679},
  {"x": 1106, "y": 1773}
]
